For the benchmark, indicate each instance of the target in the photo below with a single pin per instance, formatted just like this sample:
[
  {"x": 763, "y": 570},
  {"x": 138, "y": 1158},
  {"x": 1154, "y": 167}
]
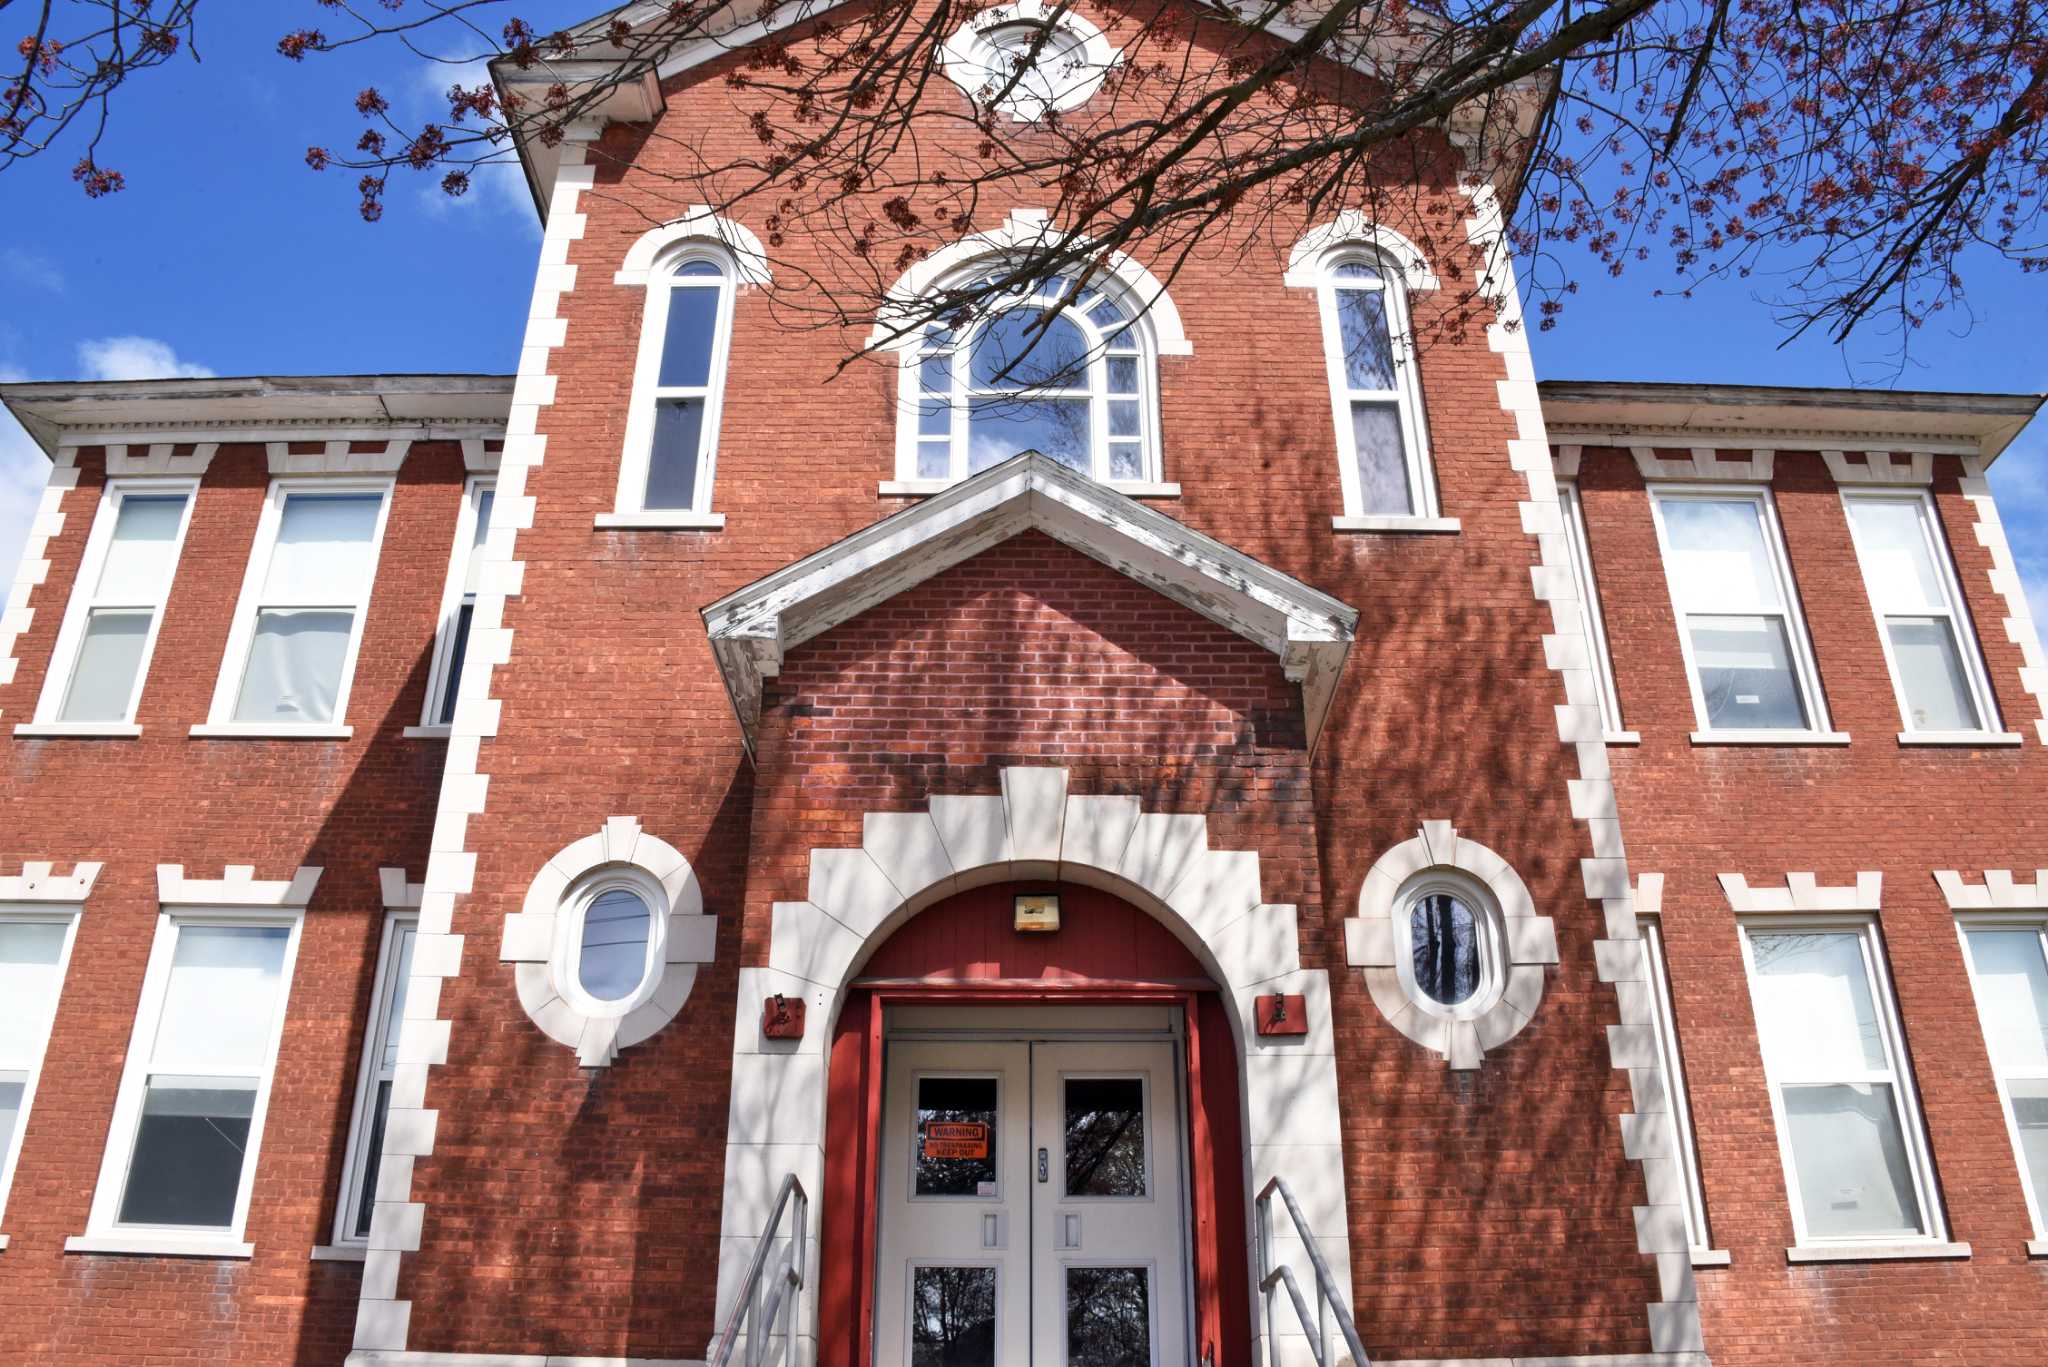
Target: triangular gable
[{"x": 752, "y": 629}]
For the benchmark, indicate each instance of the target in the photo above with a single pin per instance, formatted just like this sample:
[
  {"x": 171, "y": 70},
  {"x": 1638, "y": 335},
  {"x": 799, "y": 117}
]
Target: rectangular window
[
  {"x": 110, "y": 628},
  {"x": 1856, "y": 1163},
  {"x": 458, "y": 602},
  {"x": 1928, "y": 644},
  {"x": 181, "y": 1153},
  {"x": 293, "y": 650},
  {"x": 1739, "y": 626},
  {"x": 1680, "y": 1111},
  {"x": 373, "y": 1087},
  {"x": 1381, "y": 437},
  {"x": 2008, "y": 961},
  {"x": 1594, "y": 626},
  {"x": 35, "y": 947}
]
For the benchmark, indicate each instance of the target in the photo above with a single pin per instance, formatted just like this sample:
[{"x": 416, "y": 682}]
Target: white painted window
[
  {"x": 188, "y": 1120},
  {"x": 1064, "y": 370},
  {"x": 1928, "y": 644},
  {"x": 35, "y": 949},
  {"x": 678, "y": 384},
  {"x": 2008, "y": 962},
  {"x": 292, "y": 652},
  {"x": 458, "y": 601},
  {"x": 374, "y": 1083},
  {"x": 1591, "y": 621},
  {"x": 1678, "y": 1114},
  {"x": 1448, "y": 944},
  {"x": 1745, "y": 644},
  {"x": 1848, "y": 1122},
  {"x": 609, "y": 949},
  {"x": 109, "y": 631},
  {"x": 1375, "y": 385}
]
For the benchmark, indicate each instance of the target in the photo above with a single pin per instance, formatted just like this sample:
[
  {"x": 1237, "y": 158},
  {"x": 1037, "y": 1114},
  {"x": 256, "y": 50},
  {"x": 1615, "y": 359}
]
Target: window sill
[
  {"x": 1422, "y": 525},
  {"x": 3, "y": 1243},
  {"x": 158, "y": 1246},
  {"x": 340, "y": 1253},
  {"x": 1770, "y": 738},
  {"x": 2036, "y": 1248},
  {"x": 667, "y": 520},
  {"x": 1866, "y": 1253},
  {"x": 1953, "y": 738},
  {"x": 1622, "y": 737},
  {"x": 924, "y": 488},
  {"x": 82, "y": 730},
  {"x": 1710, "y": 1257},
  {"x": 427, "y": 732},
  {"x": 246, "y": 730}
]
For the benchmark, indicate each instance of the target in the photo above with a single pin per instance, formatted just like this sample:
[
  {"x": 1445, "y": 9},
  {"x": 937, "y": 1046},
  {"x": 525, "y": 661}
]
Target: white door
[{"x": 1032, "y": 1209}]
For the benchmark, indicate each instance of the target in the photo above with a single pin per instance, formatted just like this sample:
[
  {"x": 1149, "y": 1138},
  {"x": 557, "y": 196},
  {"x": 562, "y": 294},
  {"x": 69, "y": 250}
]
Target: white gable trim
[
  {"x": 39, "y": 881},
  {"x": 238, "y": 888},
  {"x": 697, "y": 224},
  {"x": 751, "y": 630}
]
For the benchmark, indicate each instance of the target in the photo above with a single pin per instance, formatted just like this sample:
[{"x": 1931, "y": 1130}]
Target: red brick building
[{"x": 515, "y": 870}]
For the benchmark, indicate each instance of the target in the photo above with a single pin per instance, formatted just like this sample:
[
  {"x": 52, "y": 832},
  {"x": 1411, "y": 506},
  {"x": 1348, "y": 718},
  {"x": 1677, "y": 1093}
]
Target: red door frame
[{"x": 853, "y": 1128}]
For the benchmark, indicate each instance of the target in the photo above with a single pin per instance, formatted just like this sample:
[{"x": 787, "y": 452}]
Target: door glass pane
[
  {"x": 1362, "y": 331},
  {"x": 1896, "y": 559},
  {"x": 139, "y": 557},
  {"x": 323, "y": 548},
  {"x": 953, "y": 1317},
  {"x": 109, "y": 656},
  {"x": 12, "y": 1089},
  {"x": 1814, "y": 1005},
  {"x": 672, "y": 461},
  {"x": 613, "y": 958},
  {"x": 1850, "y": 1153},
  {"x": 295, "y": 662},
  {"x": 1382, "y": 460},
  {"x": 998, "y": 428},
  {"x": 1746, "y": 678},
  {"x": 2012, "y": 994},
  {"x": 686, "y": 346},
  {"x": 221, "y": 1001},
  {"x": 1719, "y": 560},
  {"x": 187, "y": 1164},
  {"x": 1109, "y": 1317},
  {"x": 2030, "y": 1115},
  {"x": 1105, "y": 1141},
  {"x": 1931, "y": 675},
  {"x": 956, "y": 1136},
  {"x": 29, "y": 951},
  {"x": 1445, "y": 942}
]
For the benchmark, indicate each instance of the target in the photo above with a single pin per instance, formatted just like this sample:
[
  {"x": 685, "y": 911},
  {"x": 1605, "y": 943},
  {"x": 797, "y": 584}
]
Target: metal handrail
[
  {"x": 756, "y": 1315},
  {"x": 1327, "y": 1299}
]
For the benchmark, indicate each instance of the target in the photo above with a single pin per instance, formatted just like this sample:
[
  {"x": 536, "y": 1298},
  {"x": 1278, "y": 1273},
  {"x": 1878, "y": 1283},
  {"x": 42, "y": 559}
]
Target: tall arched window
[
  {"x": 1381, "y": 438},
  {"x": 1047, "y": 369},
  {"x": 665, "y": 472}
]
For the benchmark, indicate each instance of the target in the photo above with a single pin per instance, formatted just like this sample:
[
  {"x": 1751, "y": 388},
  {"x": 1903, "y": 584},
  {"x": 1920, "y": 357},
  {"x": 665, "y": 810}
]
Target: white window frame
[
  {"x": 1405, "y": 396},
  {"x": 1899, "y": 1076},
  {"x": 104, "y": 1230},
  {"x": 1678, "y": 1108},
  {"x": 1954, "y": 608},
  {"x": 629, "y": 505},
  {"x": 2036, "y": 921},
  {"x": 71, "y": 635},
  {"x": 1594, "y": 624},
  {"x": 1805, "y": 671},
  {"x": 455, "y": 595},
  {"x": 568, "y": 958},
  {"x": 1489, "y": 942},
  {"x": 235, "y": 662},
  {"x": 380, "y": 1029},
  {"x": 46, "y": 914}
]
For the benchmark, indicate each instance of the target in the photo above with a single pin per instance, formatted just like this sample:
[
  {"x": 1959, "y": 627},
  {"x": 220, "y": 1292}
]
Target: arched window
[
  {"x": 609, "y": 945},
  {"x": 1452, "y": 959},
  {"x": 665, "y": 472},
  {"x": 1049, "y": 369},
  {"x": 1381, "y": 437}
]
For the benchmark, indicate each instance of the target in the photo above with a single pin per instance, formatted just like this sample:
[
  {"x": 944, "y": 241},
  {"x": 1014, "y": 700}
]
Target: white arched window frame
[
  {"x": 1489, "y": 942},
  {"x": 1358, "y": 286},
  {"x": 569, "y": 937},
  {"x": 940, "y": 393},
  {"x": 666, "y": 479}
]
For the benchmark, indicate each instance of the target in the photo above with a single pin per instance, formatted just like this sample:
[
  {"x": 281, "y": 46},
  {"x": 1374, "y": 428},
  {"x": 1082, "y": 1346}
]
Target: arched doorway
[{"x": 1034, "y": 1146}]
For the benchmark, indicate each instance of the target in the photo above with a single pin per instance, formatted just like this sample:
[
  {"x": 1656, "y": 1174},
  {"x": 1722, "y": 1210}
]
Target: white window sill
[
  {"x": 249, "y": 730},
  {"x": 158, "y": 1246},
  {"x": 3, "y": 1243},
  {"x": 104, "y": 730},
  {"x": 1864, "y": 1253},
  {"x": 924, "y": 488},
  {"x": 427, "y": 732},
  {"x": 1622, "y": 737},
  {"x": 1965, "y": 738},
  {"x": 340, "y": 1253},
  {"x": 2036, "y": 1248},
  {"x": 1770, "y": 738},
  {"x": 1710, "y": 1257},
  {"x": 1431, "y": 525},
  {"x": 666, "y": 520}
]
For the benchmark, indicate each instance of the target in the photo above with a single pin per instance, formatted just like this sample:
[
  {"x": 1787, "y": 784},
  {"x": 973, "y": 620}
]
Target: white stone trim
[
  {"x": 1803, "y": 892},
  {"x": 336, "y": 459},
  {"x": 1033, "y": 827},
  {"x": 1706, "y": 462},
  {"x": 683, "y": 936},
  {"x": 1565, "y": 460},
  {"x": 1568, "y": 1360},
  {"x": 399, "y": 895},
  {"x": 1881, "y": 467},
  {"x": 966, "y": 58},
  {"x": 696, "y": 224},
  {"x": 482, "y": 455},
  {"x": 2001, "y": 890},
  {"x": 48, "y": 522},
  {"x": 39, "y": 881},
  {"x": 2005, "y": 582},
  {"x": 1521, "y": 942},
  {"x": 156, "y": 459},
  {"x": 1674, "y": 1319},
  {"x": 237, "y": 887},
  {"x": 378, "y": 1359},
  {"x": 383, "y": 1320},
  {"x": 1353, "y": 228}
]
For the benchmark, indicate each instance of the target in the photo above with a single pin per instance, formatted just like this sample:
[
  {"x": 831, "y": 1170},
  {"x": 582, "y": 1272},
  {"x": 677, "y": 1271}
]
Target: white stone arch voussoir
[
  {"x": 1305, "y": 260},
  {"x": 1034, "y": 828},
  {"x": 696, "y": 224}
]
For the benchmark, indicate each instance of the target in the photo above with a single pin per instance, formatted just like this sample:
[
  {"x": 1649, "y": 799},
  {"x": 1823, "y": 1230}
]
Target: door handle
[
  {"x": 1044, "y": 1168},
  {"x": 1070, "y": 1230}
]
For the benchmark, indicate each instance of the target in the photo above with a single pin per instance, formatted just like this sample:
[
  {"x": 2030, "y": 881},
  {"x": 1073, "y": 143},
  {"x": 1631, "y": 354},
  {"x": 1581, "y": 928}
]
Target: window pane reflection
[
  {"x": 956, "y": 1136},
  {"x": 953, "y": 1317},
  {"x": 1109, "y": 1321},
  {"x": 1105, "y": 1136},
  {"x": 1445, "y": 941}
]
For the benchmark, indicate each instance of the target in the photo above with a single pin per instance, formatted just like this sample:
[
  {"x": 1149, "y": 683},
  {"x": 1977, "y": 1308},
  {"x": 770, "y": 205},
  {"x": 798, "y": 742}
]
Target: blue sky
[{"x": 225, "y": 255}]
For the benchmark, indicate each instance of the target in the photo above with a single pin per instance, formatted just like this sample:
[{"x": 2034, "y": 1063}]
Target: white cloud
[
  {"x": 2020, "y": 480},
  {"x": 134, "y": 358},
  {"x": 25, "y": 267},
  {"x": 23, "y": 471},
  {"x": 496, "y": 186}
]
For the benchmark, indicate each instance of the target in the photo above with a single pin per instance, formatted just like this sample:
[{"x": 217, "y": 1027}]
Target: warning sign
[{"x": 955, "y": 1139}]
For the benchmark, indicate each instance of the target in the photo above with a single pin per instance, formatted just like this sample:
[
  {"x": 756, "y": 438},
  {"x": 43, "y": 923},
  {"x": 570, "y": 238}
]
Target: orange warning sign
[{"x": 955, "y": 1139}]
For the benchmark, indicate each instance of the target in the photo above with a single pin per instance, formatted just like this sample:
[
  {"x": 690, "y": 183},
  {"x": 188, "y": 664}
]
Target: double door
[{"x": 1032, "y": 1206}]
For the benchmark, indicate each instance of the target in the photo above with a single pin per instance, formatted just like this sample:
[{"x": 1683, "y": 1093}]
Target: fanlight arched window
[
  {"x": 1381, "y": 438},
  {"x": 678, "y": 385},
  {"x": 1048, "y": 368}
]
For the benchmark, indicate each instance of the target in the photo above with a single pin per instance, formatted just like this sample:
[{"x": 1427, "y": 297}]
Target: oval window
[
  {"x": 611, "y": 962},
  {"x": 1443, "y": 936}
]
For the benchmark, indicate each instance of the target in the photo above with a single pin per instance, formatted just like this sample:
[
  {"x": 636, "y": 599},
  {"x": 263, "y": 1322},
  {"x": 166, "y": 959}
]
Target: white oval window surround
[{"x": 1072, "y": 61}]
